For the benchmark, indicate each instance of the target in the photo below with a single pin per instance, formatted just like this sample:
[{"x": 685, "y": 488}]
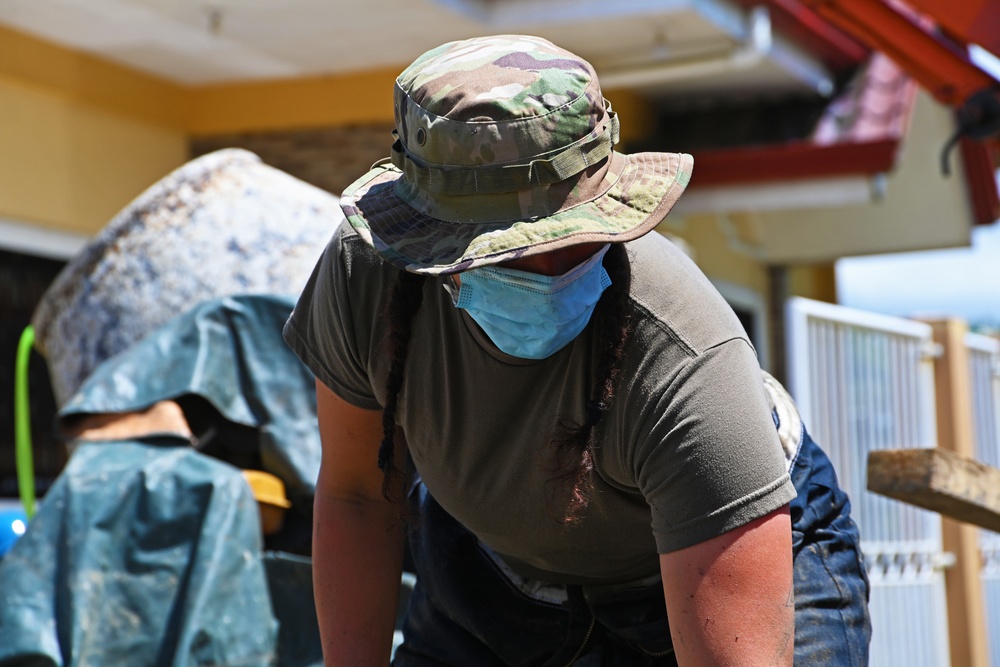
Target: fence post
[
  {"x": 777, "y": 299},
  {"x": 966, "y": 610}
]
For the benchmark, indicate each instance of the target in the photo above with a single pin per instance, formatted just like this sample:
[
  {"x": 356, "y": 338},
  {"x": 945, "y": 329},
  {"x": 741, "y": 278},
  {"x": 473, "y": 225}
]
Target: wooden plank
[{"x": 941, "y": 481}]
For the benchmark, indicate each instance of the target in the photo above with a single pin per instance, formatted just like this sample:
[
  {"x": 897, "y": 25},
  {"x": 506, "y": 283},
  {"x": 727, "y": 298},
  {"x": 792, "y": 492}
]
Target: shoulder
[
  {"x": 670, "y": 293},
  {"x": 352, "y": 252},
  {"x": 351, "y": 269},
  {"x": 346, "y": 287},
  {"x": 335, "y": 323}
]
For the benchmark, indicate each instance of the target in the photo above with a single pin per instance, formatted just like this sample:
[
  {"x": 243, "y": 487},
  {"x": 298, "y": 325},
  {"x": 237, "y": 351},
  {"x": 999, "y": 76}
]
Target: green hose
[{"x": 22, "y": 424}]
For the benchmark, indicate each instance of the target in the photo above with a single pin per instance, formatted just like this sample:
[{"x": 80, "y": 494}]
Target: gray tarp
[{"x": 147, "y": 551}]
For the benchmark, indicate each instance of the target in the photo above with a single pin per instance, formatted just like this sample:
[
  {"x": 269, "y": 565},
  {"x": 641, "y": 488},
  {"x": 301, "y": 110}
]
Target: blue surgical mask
[{"x": 529, "y": 315}]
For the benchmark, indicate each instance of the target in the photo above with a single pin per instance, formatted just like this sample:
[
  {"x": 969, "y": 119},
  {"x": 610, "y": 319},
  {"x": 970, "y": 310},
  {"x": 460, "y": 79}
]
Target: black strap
[{"x": 555, "y": 167}]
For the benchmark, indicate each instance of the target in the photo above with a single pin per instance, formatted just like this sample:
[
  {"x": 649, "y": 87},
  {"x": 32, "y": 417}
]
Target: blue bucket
[{"x": 13, "y": 524}]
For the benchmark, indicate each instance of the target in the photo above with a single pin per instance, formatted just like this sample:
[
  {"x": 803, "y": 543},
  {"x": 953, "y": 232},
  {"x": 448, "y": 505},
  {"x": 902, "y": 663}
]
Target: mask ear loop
[{"x": 22, "y": 424}]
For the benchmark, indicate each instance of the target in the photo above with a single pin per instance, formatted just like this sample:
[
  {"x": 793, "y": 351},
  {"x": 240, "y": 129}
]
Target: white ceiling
[{"x": 680, "y": 46}]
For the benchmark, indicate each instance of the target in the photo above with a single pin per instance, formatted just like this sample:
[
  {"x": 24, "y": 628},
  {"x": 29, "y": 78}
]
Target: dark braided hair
[
  {"x": 574, "y": 444},
  {"x": 574, "y": 454},
  {"x": 404, "y": 301}
]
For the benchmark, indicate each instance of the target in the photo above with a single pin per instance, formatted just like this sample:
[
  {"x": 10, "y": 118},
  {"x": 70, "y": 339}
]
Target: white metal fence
[
  {"x": 984, "y": 374},
  {"x": 865, "y": 382}
]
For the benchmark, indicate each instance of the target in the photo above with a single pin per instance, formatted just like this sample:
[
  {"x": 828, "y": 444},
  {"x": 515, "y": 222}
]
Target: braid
[
  {"x": 405, "y": 299},
  {"x": 575, "y": 445}
]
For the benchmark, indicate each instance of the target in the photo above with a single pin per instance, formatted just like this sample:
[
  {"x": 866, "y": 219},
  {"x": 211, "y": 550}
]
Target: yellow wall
[
  {"x": 333, "y": 101},
  {"x": 81, "y": 137},
  {"x": 817, "y": 281},
  {"x": 727, "y": 249},
  {"x": 84, "y": 80},
  {"x": 72, "y": 167},
  {"x": 634, "y": 114},
  {"x": 714, "y": 252}
]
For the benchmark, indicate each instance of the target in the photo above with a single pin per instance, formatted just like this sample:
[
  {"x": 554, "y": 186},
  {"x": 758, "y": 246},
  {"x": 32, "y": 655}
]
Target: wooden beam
[{"x": 938, "y": 480}]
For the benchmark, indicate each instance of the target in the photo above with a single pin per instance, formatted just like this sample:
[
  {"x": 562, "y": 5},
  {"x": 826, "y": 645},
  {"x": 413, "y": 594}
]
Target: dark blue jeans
[{"x": 468, "y": 609}]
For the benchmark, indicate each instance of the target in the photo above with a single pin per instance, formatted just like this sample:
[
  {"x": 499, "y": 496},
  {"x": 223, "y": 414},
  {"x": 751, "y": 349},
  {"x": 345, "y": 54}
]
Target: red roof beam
[
  {"x": 980, "y": 175},
  {"x": 944, "y": 72},
  {"x": 968, "y": 21},
  {"x": 832, "y": 46},
  {"x": 798, "y": 161}
]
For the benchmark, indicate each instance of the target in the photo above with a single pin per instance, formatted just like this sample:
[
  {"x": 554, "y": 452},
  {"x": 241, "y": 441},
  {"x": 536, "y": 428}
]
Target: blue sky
[{"x": 963, "y": 282}]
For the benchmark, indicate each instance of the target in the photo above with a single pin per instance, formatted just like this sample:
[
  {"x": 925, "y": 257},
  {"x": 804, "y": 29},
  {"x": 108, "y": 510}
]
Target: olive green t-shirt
[{"x": 687, "y": 451}]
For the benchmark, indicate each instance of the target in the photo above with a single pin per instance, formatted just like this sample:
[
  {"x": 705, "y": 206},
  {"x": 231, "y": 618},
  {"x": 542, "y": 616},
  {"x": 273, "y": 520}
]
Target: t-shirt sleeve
[
  {"x": 710, "y": 459},
  {"x": 331, "y": 327}
]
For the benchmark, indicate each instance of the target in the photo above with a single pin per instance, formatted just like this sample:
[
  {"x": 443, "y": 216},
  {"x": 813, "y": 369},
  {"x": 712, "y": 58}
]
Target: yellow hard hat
[
  {"x": 267, "y": 488},
  {"x": 269, "y": 491}
]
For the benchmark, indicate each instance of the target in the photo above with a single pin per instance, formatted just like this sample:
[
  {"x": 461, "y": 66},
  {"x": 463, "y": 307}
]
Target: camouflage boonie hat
[{"x": 504, "y": 149}]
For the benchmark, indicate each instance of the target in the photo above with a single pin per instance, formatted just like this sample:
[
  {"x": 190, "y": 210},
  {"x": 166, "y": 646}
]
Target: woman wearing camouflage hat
[{"x": 571, "y": 416}]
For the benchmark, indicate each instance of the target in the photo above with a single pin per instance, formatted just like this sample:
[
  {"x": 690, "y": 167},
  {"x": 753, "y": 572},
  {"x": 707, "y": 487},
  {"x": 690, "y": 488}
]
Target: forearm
[{"x": 357, "y": 561}]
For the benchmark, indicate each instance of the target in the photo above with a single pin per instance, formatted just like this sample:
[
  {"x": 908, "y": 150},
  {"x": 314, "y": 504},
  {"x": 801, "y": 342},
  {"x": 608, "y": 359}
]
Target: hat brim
[{"x": 643, "y": 187}]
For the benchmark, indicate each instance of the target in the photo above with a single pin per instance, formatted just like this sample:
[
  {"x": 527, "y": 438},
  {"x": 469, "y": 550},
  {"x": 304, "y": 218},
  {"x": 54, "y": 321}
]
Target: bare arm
[
  {"x": 161, "y": 417},
  {"x": 357, "y": 539},
  {"x": 730, "y": 599}
]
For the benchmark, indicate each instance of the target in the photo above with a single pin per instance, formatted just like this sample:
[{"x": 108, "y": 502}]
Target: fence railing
[
  {"x": 984, "y": 376},
  {"x": 865, "y": 382}
]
